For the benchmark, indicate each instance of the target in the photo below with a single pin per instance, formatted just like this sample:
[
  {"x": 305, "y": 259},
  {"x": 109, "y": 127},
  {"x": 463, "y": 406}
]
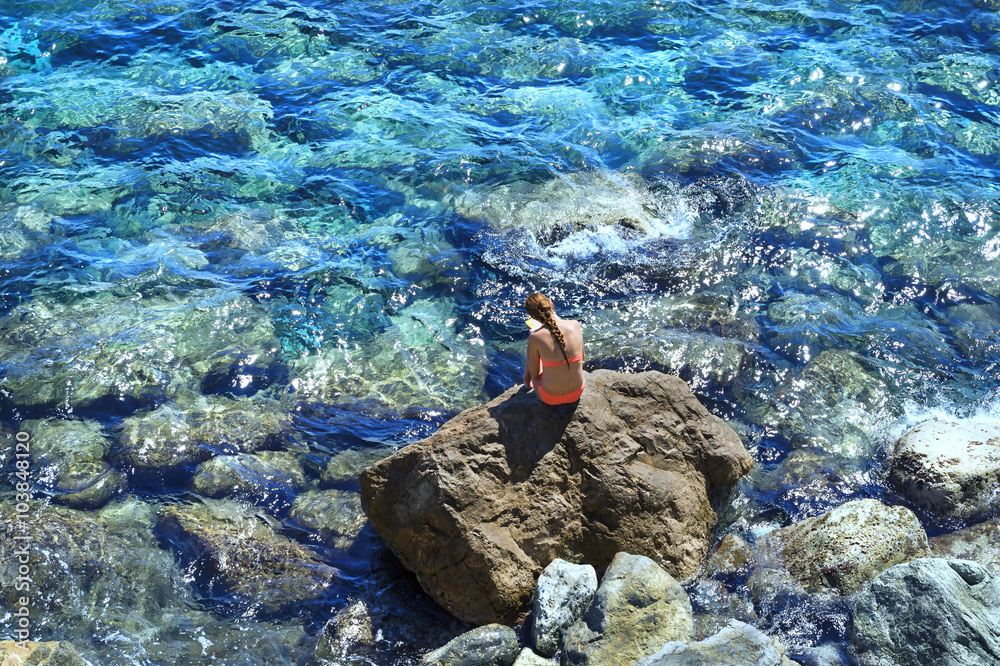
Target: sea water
[{"x": 336, "y": 209}]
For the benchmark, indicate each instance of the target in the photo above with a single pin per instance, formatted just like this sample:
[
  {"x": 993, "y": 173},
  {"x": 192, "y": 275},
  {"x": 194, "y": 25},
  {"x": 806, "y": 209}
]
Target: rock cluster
[
  {"x": 638, "y": 615},
  {"x": 479, "y": 508}
]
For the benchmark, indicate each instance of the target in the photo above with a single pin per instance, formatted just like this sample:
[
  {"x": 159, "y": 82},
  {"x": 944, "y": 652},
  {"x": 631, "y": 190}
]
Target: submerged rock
[
  {"x": 949, "y": 468},
  {"x": 477, "y": 509},
  {"x": 563, "y": 592},
  {"x": 929, "y": 612},
  {"x": 731, "y": 557},
  {"x": 842, "y": 549},
  {"x": 89, "y": 572},
  {"x": 335, "y": 515},
  {"x": 637, "y": 608},
  {"x": 29, "y": 653},
  {"x": 70, "y": 456},
  {"x": 259, "y": 567},
  {"x": 423, "y": 359},
  {"x": 128, "y": 348},
  {"x": 175, "y": 435},
  {"x": 572, "y": 201},
  {"x": 715, "y": 606},
  {"x": 738, "y": 644},
  {"x": 269, "y": 476},
  {"x": 489, "y": 645},
  {"x": 347, "y": 634}
]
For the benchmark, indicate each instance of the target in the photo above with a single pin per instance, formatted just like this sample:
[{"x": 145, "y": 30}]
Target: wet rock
[
  {"x": 574, "y": 200},
  {"x": 637, "y": 608},
  {"x": 974, "y": 328},
  {"x": 529, "y": 658},
  {"x": 268, "y": 476},
  {"x": 177, "y": 435},
  {"x": 81, "y": 561},
  {"x": 841, "y": 549},
  {"x": 29, "y": 653},
  {"x": 240, "y": 550},
  {"x": 348, "y": 634},
  {"x": 738, "y": 644},
  {"x": 70, "y": 456},
  {"x": 126, "y": 348},
  {"x": 489, "y": 645},
  {"x": 347, "y": 464},
  {"x": 563, "y": 592},
  {"x": 714, "y": 606},
  {"x": 335, "y": 515},
  {"x": 731, "y": 557},
  {"x": 979, "y": 543},
  {"x": 424, "y": 359},
  {"x": 476, "y": 509},
  {"x": 929, "y": 612},
  {"x": 825, "y": 404},
  {"x": 949, "y": 468}
]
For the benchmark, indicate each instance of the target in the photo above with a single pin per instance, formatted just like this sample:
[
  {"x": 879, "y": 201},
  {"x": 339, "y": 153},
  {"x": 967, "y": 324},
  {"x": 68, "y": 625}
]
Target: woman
[{"x": 557, "y": 347}]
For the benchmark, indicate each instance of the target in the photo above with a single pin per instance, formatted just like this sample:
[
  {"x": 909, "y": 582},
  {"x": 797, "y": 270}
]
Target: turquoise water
[{"x": 332, "y": 212}]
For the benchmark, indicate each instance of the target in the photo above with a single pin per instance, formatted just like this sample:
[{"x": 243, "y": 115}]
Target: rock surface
[
  {"x": 346, "y": 634},
  {"x": 489, "y": 645},
  {"x": 243, "y": 552},
  {"x": 738, "y": 644},
  {"x": 477, "y": 509},
  {"x": 949, "y": 468},
  {"x": 929, "y": 612},
  {"x": 51, "y": 653},
  {"x": 637, "y": 609},
  {"x": 529, "y": 658},
  {"x": 563, "y": 592},
  {"x": 268, "y": 477},
  {"x": 979, "y": 543},
  {"x": 177, "y": 435},
  {"x": 844, "y": 548},
  {"x": 731, "y": 557},
  {"x": 335, "y": 515},
  {"x": 70, "y": 456}
]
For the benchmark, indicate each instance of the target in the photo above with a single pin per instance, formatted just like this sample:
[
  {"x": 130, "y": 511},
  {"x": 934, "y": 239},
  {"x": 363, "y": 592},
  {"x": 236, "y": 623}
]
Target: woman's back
[{"x": 558, "y": 376}]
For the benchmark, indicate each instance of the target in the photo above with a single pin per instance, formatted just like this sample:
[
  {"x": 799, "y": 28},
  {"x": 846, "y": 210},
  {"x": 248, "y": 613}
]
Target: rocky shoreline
[{"x": 444, "y": 506}]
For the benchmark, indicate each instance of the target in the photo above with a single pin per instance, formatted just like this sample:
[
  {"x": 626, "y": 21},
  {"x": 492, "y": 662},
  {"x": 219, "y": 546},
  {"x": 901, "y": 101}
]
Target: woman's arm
[{"x": 532, "y": 364}]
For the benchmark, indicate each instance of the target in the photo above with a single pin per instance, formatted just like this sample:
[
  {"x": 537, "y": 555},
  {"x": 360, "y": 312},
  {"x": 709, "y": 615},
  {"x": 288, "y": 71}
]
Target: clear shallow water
[{"x": 341, "y": 208}]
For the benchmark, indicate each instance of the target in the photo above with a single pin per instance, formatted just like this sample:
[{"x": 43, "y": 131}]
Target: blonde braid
[{"x": 540, "y": 307}]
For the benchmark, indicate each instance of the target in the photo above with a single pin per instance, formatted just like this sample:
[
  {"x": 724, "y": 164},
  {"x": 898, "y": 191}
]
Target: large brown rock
[{"x": 479, "y": 508}]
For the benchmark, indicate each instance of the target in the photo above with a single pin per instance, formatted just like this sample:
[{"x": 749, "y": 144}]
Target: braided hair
[{"x": 540, "y": 307}]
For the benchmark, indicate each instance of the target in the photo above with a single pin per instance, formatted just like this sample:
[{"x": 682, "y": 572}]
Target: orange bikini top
[{"x": 551, "y": 364}]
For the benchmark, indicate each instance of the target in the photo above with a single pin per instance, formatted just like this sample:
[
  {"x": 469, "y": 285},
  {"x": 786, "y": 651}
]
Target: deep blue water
[{"x": 792, "y": 205}]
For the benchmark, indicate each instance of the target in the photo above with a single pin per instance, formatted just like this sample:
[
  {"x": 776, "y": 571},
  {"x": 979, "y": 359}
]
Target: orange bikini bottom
[{"x": 564, "y": 399}]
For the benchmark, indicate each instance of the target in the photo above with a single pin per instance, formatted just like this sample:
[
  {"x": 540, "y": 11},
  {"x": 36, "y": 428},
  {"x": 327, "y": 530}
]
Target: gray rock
[
  {"x": 335, "y": 515},
  {"x": 267, "y": 476},
  {"x": 929, "y": 612},
  {"x": 738, "y": 644},
  {"x": 346, "y": 634},
  {"x": 70, "y": 456},
  {"x": 949, "y": 468},
  {"x": 563, "y": 592},
  {"x": 477, "y": 509},
  {"x": 529, "y": 658},
  {"x": 841, "y": 549},
  {"x": 489, "y": 645},
  {"x": 637, "y": 608}
]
